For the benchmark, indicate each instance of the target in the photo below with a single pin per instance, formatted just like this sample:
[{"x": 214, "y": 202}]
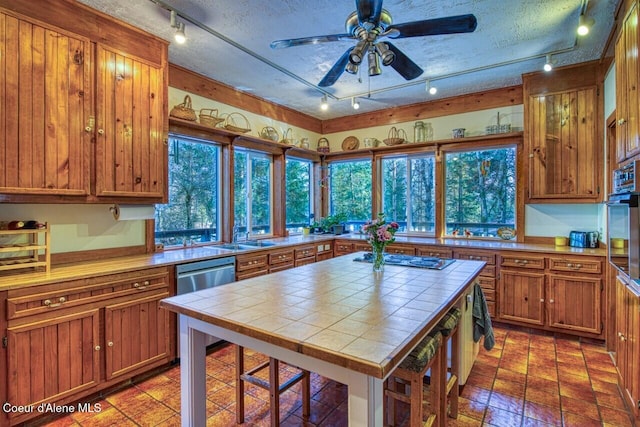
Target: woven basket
[
  {"x": 323, "y": 145},
  {"x": 269, "y": 133},
  {"x": 396, "y": 137},
  {"x": 232, "y": 122},
  {"x": 209, "y": 117},
  {"x": 184, "y": 111},
  {"x": 287, "y": 138}
]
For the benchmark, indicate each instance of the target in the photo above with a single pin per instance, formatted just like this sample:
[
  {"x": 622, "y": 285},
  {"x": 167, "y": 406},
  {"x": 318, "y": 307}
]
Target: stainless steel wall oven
[{"x": 623, "y": 233}]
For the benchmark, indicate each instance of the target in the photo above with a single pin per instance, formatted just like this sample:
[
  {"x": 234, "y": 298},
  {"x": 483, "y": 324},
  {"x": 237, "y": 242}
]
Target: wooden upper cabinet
[
  {"x": 563, "y": 148},
  {"x": 130, "y": 148},
  {"x": 45, "y": 106},
  {"x": 627, "y": 104}
]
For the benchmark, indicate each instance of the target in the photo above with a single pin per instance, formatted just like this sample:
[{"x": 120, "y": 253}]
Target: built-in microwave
[
  {"x": 627, "y": 178},
  {"x": 623, "y": 233}
]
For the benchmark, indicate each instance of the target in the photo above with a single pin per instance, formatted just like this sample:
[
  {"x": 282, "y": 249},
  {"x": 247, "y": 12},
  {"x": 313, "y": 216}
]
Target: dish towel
[{"x": 482, "y": 319}]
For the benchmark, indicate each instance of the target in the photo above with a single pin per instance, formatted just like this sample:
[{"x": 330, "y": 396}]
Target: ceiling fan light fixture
[
  {"x": 356, "y": 55},
  {"x": 354, "y": 103},
  {"x": 351, "y": 68},
  {"x": 548, "y": 65},
  {"x": 324, "y": 104},
  {"x": 374, "y": 64},
  {"x": 387, "y": 55}
]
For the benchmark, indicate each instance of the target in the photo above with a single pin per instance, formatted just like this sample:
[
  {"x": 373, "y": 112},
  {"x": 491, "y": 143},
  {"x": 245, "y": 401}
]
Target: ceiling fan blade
[
  {"x": 432, "y": 27},
  {"x": 336, "y": 71},
  {"x": 280, "y": 44},
  {"x": 403, "y": 65},
  {"x": 369, "y": 11}
]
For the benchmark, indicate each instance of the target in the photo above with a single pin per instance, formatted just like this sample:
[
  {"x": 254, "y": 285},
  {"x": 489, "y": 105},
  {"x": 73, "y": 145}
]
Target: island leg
[
  {"x": 192, "y": 375},
  {"x": 365, "y": 401}
]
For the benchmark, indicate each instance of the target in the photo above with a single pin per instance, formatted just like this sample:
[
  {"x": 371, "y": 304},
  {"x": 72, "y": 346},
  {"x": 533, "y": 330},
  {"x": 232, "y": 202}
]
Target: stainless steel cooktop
[{"x": 410, "y": 261}]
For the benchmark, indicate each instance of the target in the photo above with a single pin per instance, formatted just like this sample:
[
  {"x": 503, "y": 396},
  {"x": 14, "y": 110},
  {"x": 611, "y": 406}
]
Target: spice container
[{"x": 419, "y": 133}]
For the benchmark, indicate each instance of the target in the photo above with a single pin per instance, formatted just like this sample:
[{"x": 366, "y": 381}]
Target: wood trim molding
[
  {"x": 443, "y": 107},
  {"x": 197, "y": 84}
]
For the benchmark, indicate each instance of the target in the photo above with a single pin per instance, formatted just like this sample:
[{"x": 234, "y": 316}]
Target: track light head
[
  {"x": 324, "y": 105},
  {"x": 584, "y": 25},
  {"x": 354, "y": 103},
  {"x": 431, "y": 89},
  {"x": 548, "y": 65},
  {"x": 179, "y": 36}
]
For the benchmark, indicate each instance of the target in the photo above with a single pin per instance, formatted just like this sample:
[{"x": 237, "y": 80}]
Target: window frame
[{"x": 312, "y": 191}]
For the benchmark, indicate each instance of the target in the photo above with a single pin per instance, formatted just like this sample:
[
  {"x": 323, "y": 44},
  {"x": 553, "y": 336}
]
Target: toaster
[{"x": 583, "y": 239}]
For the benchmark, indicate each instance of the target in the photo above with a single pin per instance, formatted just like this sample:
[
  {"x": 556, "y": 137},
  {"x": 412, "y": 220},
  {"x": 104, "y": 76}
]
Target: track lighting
[
  {"x": 374, "y": 63},
  {"x": 584, "y": 25},
  {"x": 431, "y": 89},
  {"x": 356, "y": 55},
  {"x": 354, "y": 103},
  {"x": 324, "y": 105},
  {"x": 387, "y": 55},
  {"x": 548, "y": 65},
  {"x": 179, "y": 36}
]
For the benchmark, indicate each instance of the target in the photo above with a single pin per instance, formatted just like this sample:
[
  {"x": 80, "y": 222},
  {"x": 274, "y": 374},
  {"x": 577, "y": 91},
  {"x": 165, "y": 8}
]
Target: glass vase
[{"x": 378, "y": 258}]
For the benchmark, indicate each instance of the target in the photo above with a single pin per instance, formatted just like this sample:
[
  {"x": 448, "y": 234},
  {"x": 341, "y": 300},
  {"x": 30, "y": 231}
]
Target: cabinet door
[
  {"x": 621, "y": 99},
  {"x": 563, "y": 146},
  {"x": 53, "y": 358},
  {"x": 575, "y": 303},
  {"x": 622, "y": 315},
  {"x": 136, "y": 335},
  {"x": 45, "y": 101},
  {"x": 630, "y": 127},
  {"x": 130, "y": 148},
  {"x": 522, "y": 296},
  {"x": 632, "y": 348}
]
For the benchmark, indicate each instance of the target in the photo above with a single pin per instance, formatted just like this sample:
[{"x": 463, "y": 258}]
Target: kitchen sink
[
  {"x": 257, "y": 243},
  {"x": 232, "y": 246}
]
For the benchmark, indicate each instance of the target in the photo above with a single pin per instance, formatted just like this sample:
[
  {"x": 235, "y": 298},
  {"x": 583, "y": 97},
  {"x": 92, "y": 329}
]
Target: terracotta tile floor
[{"x": 528, "y": 379}]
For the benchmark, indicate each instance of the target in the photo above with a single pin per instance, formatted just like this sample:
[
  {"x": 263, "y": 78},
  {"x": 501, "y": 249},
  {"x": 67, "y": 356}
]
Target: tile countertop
[
  {"x": 180, "y": 256},
  {"x": 337, "y": 310}
]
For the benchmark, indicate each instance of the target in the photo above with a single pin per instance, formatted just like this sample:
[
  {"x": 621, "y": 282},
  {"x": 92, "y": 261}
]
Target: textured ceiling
[{"x": 508, "y": 32}]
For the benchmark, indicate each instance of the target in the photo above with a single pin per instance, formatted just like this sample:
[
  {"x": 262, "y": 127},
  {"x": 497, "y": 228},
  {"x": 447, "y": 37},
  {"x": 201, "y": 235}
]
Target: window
[
  {"x": 350, "y": 191},
  {"x": 299, "y": 194},
  {"x": 252, "y": 192},
  {"x": 480, "y": 191},
  {"x": 192, "y": 214},
  {"x": 408, "y": 192}
]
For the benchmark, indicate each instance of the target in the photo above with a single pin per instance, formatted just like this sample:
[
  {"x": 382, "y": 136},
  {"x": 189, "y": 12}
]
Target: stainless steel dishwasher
[{"x": 200, "y": 275}]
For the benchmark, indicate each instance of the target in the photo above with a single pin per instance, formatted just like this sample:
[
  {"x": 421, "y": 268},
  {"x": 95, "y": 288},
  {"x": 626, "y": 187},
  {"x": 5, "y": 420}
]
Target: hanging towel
[{"x": 482, "y": 319}]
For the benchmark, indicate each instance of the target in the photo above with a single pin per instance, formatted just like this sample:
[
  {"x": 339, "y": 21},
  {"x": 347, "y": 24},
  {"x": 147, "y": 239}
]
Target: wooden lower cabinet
[
  {"x": 575, "y": 303},
  {"x": 522, "y": 297},
  {"x": 628, "y": 343},
  {"x": 487, "y": 278},
  {"x": 305, "y": 254},
  {"x": 69, "y": 340},
  {"x": 281, "y": 259},
  {"x": 136, "y": 334},
  {"x": 53, "y": 358},
  {"x": 251, "y": 265}
]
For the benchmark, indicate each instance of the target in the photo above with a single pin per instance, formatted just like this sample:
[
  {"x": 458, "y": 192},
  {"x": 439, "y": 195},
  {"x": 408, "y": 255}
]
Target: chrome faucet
[{"x": 234, "y": 236}]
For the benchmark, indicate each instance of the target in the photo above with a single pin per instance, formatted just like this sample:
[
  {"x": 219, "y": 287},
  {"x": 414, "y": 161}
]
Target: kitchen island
[{"x": 336, "y": 318}]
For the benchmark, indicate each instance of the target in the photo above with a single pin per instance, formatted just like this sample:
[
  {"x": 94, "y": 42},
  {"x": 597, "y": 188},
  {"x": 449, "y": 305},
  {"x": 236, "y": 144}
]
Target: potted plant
[{"x": 333, "y": 223}]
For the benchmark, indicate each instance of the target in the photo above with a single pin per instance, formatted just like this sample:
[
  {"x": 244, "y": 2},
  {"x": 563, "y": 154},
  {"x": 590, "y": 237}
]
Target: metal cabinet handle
[
  {"x": 110, "y": 343},
  {"x": 51, "y": 304},
  {"x": 551, "y": 301},
  {"x": 621, "y": 121},
  {"x": 97, "y": 348},
  {"x": 541, "y": 299},
  {"x": 100, "y": 131}
]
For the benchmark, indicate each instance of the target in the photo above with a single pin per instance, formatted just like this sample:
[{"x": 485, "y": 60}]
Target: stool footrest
[{"x": 453, "y": 381}]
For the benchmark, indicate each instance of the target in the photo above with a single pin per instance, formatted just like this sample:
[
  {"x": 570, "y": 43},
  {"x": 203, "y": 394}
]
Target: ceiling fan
[{"x": 370, "y": 23}]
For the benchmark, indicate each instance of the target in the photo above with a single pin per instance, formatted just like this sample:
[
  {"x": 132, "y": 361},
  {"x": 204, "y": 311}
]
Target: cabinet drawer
[
  {"x": 488, "y": 271},
  {"x": 435, "y": 251},
  {"x": 491, "y": 305},
  {"x": 522, "y": 261},
  {"x": 279, "y": 257},
  {"x": 41, "y": 299},
  {"x": 304, "y": 261},
  {"x": 399, "y": 249},
  {"x": 251, "y": 262},
  {"x": 487, "y": 283},
  {"x": 305, "y": 252},
  {"x": 252, "y": 273},
  {"x": 343, "y": 248},
  {"x": 323, "y": 256},
  {"x": 488, "y": 257},
  {"x": 359, "y": 247},
  {"x": 581, "y": 265},
  {"x": 489, "y": 295}
]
